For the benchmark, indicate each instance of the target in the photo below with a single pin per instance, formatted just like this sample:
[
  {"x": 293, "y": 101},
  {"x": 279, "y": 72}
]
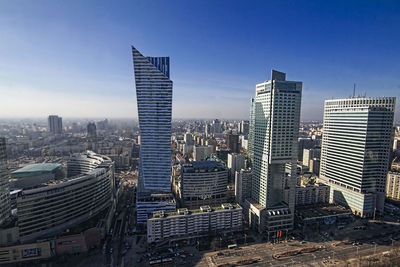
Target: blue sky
[{"x": 73, "y": 58}]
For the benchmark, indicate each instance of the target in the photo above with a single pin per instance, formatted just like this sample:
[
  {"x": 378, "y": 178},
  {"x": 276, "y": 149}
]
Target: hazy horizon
[{"x": 74, "y": 58}]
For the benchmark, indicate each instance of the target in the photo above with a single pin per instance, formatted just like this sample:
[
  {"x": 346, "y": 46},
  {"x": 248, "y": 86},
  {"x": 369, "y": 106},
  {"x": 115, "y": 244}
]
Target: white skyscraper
[
  {"x": 355, "y": 151},
  {"x": 275, "y": 116},
  {"x": 4, "y": 186},
  {"x": 235, "y": 162}
]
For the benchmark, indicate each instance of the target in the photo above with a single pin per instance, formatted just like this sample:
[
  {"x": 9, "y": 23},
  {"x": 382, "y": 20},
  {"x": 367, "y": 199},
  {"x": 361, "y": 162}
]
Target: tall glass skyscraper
[
  {"x": 4, "y": 186},
  {"x": 154, "y": 102},
  {"x": 355, "y": 151},
  {"x": 274, "y": 129}
]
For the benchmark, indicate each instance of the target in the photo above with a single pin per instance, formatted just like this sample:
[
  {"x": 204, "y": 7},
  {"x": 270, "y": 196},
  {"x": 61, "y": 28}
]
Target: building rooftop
[
  {"x": 207, "y": 165},
  {"x": 35, "y": 169},
  {"x": 202, "y": 209},
  {"x": 321, "y": 211}
]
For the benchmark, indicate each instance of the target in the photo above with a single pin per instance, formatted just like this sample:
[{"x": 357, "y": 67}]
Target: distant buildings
[
  {"x": 244, "y": 127},
  {"x": 222, "y": 154},
  {"x": 355, "y": 151},
  {"x": 55, "y": 124},
  {"x": 236, "y": 162},
  {"x": 393, "y": 186},
  {"x": 216, "y": 127},
  {"x": 393, "y": 182},
  {"x": 304, "y": 143},
  {"x": 91, "y": 130},
  {"x": 201, "y": 152},
  {"x": 314, "y": 165},
  {"x": 274, "y": 128},
  {"x": 154, "y": 101},
  {"x": 4, "y": 186},
  {"x": 203, "y": 183},
  {"x": 242, "y": 186},
  {"x": 309, "y": 154},
  {"x": 232, "y": 142},
  {"x": 186, "y": 223}
]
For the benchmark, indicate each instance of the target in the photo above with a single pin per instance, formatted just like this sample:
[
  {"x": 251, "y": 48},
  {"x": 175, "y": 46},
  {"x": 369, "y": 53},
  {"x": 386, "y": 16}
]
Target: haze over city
[
  {"x": 73, "y": 58},
  {"x": 199, "y": 133}
]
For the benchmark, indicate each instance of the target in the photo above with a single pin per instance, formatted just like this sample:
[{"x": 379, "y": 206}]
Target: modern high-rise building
[
  {"x": 309, "y": 154},
  {"x": 55, "y": 124},
  {"x": 242, "y": 186},
  {"x": 275, "y": 115},
  {"x": 244, "y": 127},
  {"x": 4, "y": 186},
  {"x": 154, "y": 101},
  {"x": 216, "y": 126},
  {"x": 355, "y": 151},
  {"x": 236, "y": 162},
  {"x": 91, "y": 130},
  {"x": 250, "y": 145},
  {"x": 232, "y": 142}
]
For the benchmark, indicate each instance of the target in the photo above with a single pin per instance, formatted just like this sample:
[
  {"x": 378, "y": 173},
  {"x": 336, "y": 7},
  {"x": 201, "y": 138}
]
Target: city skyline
[{"x": 83, "y": 62}]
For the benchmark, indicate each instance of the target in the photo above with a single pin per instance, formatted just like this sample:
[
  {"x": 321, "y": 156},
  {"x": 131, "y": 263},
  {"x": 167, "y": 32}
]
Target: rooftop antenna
[{"x": 354, "y": 90}]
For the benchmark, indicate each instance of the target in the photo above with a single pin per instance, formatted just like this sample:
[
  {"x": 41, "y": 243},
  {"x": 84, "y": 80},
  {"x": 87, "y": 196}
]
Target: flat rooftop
[
  {"x": 196, "y": 211},
  {"x": 35, "y": 169},
  {"x": 207, "y": 165},
  {"x": 320, "y": 211}
]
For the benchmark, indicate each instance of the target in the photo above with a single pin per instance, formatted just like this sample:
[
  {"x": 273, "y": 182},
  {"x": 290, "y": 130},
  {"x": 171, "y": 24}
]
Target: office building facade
[
  {"x": 355, "y": 151},
  {"x": 393, "y": 185},
  {"x": 232, "y": 142},
  {"x": 235, "y": 163},
  {"x": 203, "y": 183},
  {"x": 309, "y": 154},
  {"x": 185, "y": 223},
  {"x": 51, "y": 208},
  {"x": 244, "y": 127},
  {"x": 91, "y": 130},
  {"x": 310, "y": 194},
  {"x": 55, "y": 124},
  {"x": 201, "y": 152},
  {"x": 154, "y": 102},
  {"x": 242, "y": 186},
  {"x": 275, "y": 115},
  {"x": 4, "y": 186}
]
